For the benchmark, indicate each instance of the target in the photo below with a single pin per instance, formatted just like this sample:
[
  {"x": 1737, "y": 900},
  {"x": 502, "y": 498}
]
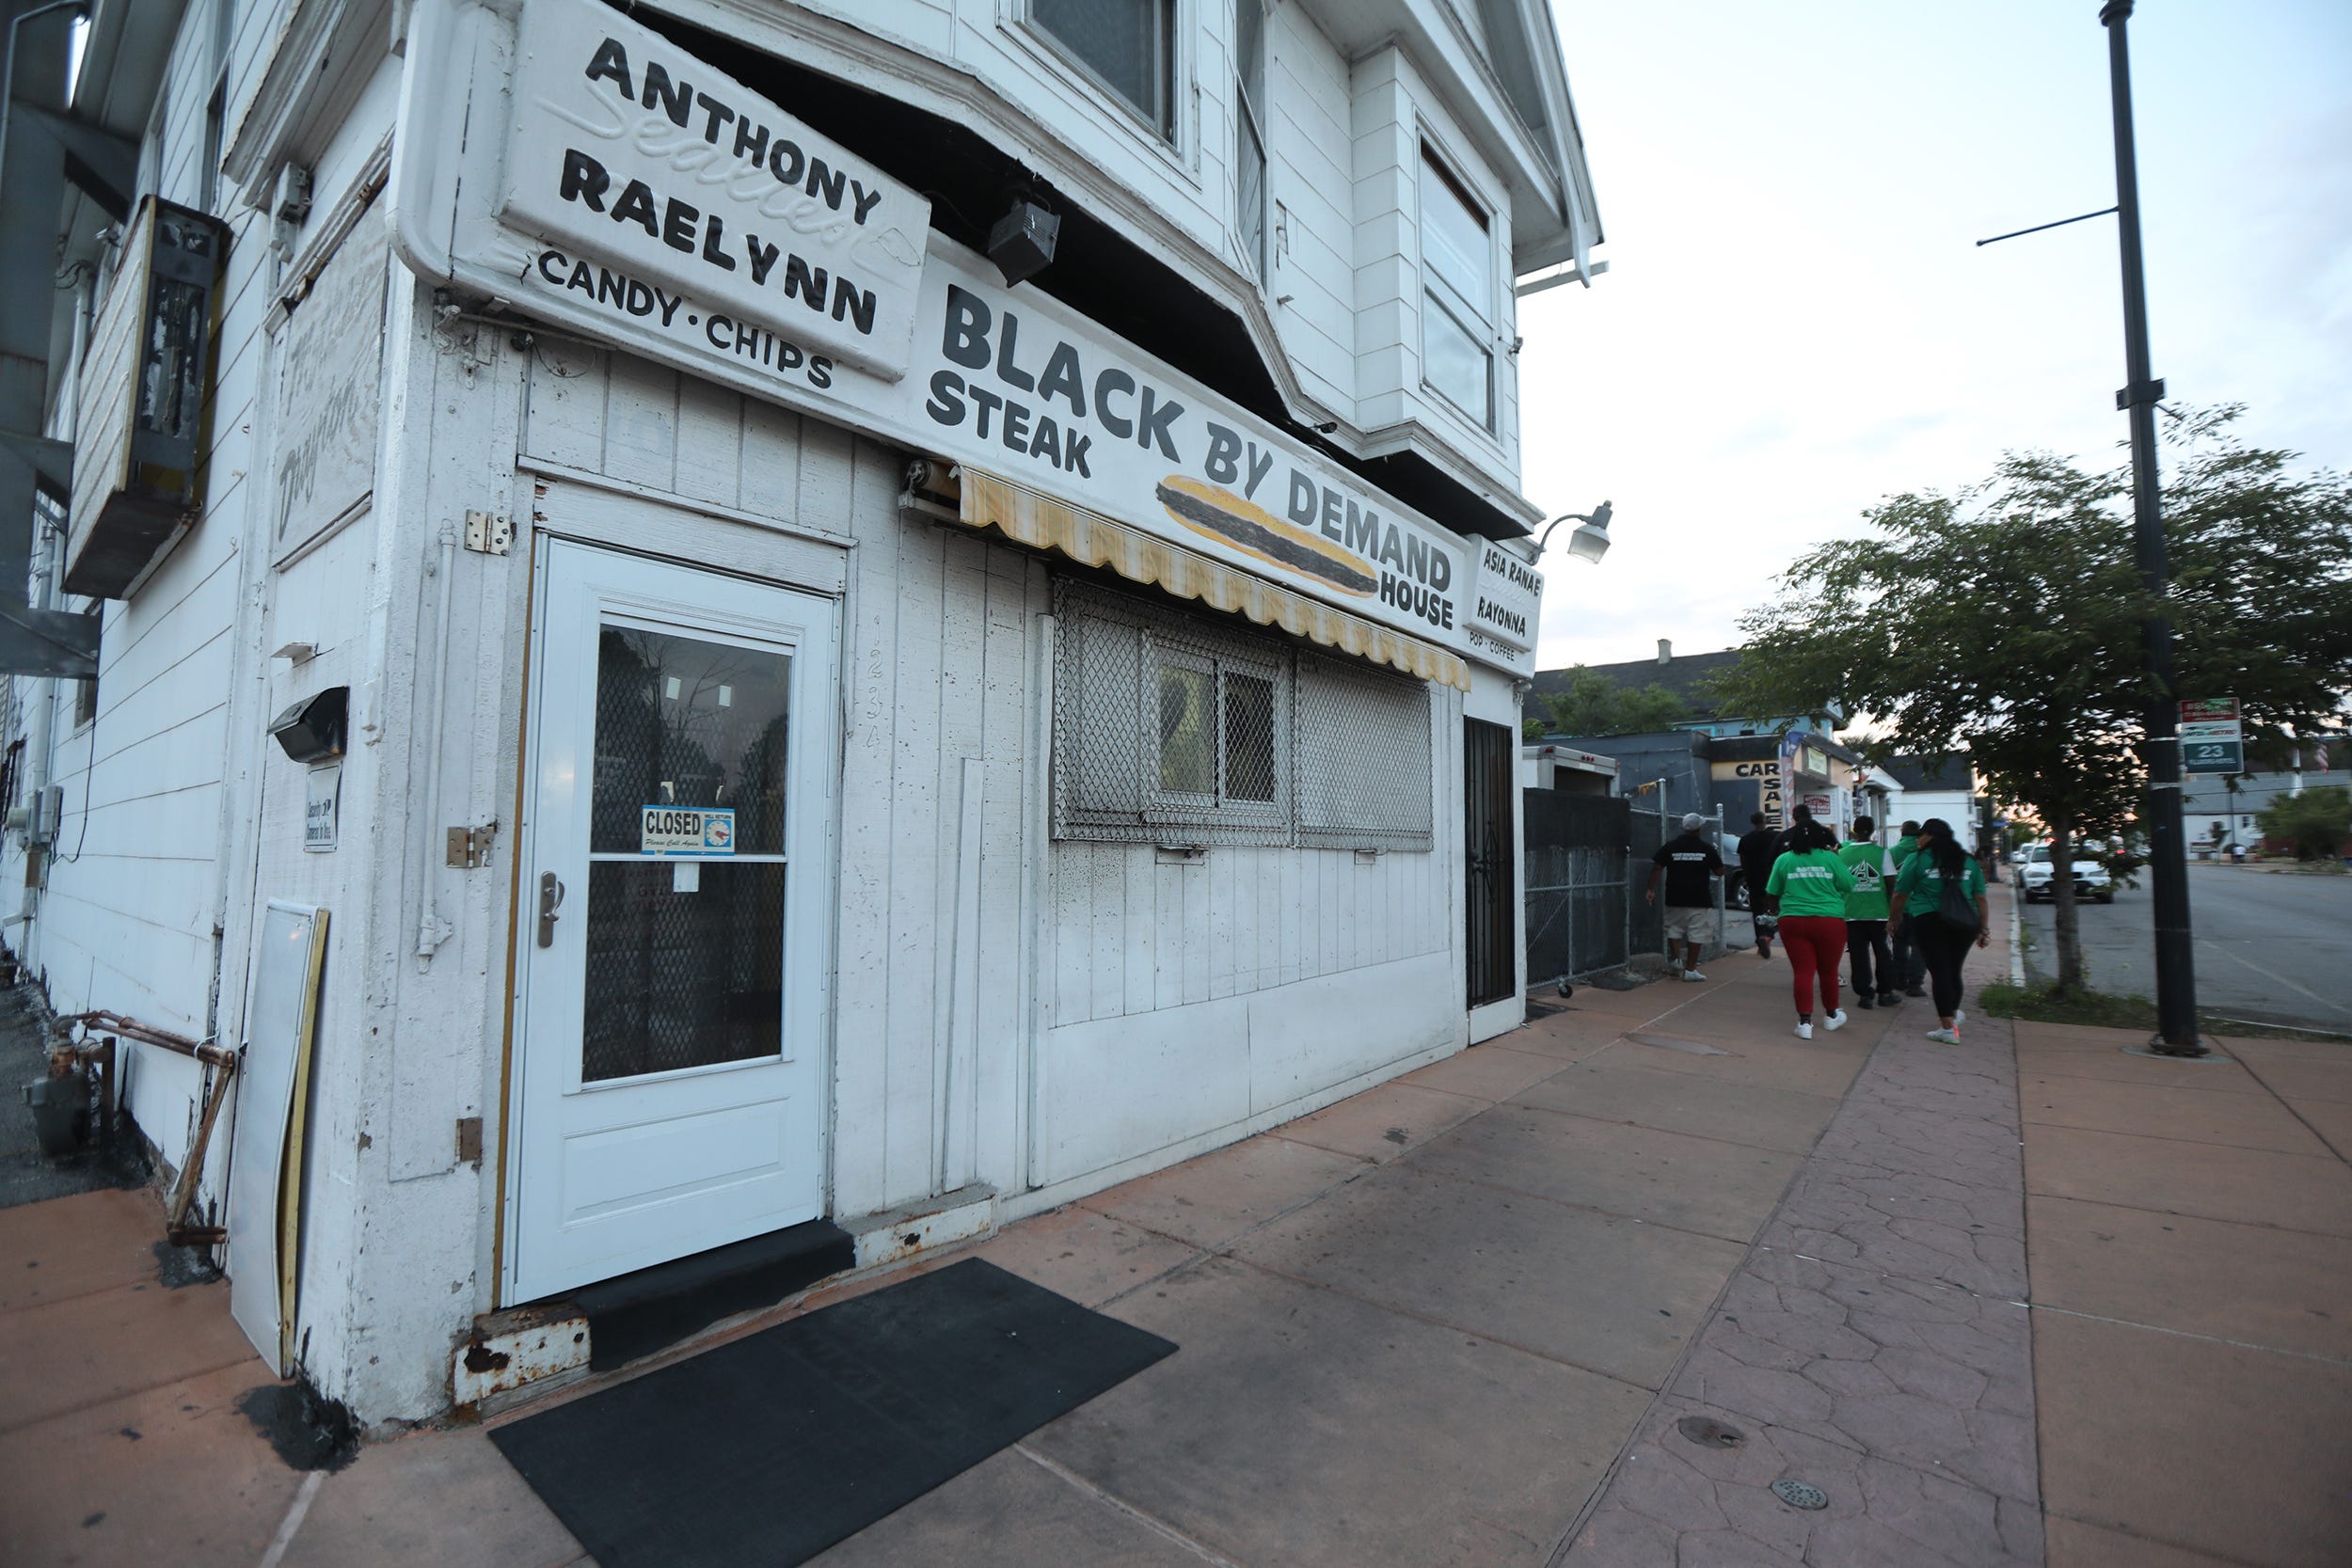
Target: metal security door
[
  {"x": 674, "y": 905},
  {"x": 1492, "y": 877}
]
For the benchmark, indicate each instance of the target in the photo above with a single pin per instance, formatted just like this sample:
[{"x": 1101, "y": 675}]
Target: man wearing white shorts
[{"x": 1689, "y": 864}]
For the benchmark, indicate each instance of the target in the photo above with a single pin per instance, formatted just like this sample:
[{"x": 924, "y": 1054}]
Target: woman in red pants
[{"x": 1811, "y": 882}]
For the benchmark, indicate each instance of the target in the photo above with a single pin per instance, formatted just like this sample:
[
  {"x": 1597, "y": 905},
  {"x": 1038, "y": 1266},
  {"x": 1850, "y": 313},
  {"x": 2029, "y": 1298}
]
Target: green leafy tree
[
  {"x": 1595, "y": 705},
  {"x": 2004, "y": 622},
  {"x": 2316, "y": 823}
]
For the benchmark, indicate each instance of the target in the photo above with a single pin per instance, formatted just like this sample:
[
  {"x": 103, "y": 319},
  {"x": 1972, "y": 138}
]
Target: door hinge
[
  {"x": 489, "y": 532},
  {"x": 469, "y": 847}
]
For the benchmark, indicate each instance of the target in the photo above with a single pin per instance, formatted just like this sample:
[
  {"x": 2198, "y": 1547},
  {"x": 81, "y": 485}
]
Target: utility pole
[{"x": 2167, "y": 855}]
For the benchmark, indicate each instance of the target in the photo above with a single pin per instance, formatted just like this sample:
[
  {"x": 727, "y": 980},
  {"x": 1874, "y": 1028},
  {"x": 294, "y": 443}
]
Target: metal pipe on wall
[{"x": 432, "y": 930}]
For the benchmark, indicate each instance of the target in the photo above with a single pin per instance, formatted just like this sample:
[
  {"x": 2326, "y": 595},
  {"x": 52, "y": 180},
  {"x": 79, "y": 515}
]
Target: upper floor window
[
  {"x": 1127, "y": 45},
  {"x": 1250, "y": 129},
  {"x": 1457, "y": 317}
]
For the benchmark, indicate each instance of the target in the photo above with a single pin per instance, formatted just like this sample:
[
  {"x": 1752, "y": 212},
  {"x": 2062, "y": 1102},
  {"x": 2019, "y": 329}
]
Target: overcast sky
[{"x": 1797, "y": 322}]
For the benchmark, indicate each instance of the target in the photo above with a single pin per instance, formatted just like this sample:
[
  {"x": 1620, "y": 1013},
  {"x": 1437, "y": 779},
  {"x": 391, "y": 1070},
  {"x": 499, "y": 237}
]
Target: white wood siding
[
  {"x": 935, "y": 669},
  {"x": 133, "y": 894},
  {"x": 1342, "y": 132},
  {"x": 1176, "y": 1000}
]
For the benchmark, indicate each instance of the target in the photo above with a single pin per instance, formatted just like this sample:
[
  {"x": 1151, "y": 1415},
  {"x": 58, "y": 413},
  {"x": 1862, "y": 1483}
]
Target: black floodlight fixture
[{"x": 1021, "y": 243}]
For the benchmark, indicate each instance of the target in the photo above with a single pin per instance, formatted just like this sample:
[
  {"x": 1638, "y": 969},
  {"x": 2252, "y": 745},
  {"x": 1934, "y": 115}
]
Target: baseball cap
[{"x": 1692, "y": 820}]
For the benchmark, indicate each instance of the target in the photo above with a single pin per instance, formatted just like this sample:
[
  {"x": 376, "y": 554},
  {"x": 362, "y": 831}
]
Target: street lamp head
[{"x": 1590, "y": 542}]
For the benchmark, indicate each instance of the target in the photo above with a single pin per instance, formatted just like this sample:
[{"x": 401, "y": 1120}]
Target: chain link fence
[{"x": 1588, "y": 863}]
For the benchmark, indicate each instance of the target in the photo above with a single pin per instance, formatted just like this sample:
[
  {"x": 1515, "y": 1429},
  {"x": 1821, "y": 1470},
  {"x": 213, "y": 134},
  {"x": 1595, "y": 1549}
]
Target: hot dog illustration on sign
[{"x": 1245, "y": 526}]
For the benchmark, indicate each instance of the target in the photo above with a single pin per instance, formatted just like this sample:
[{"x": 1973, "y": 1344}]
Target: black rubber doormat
[{"x": 764, "y": 1453}]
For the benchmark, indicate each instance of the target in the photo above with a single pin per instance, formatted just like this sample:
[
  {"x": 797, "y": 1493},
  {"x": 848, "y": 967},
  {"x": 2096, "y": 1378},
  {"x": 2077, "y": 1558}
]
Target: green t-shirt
[
  {"x": 1815, "y": 882},
  {"x": 1873, "y": 871},
  {"x": 1904, "y": 849},
  {"x": 1920, "y": 885}
]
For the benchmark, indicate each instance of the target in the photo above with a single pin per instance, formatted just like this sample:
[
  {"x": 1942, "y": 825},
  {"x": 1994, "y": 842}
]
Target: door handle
[{"x": 550, "y": 900}]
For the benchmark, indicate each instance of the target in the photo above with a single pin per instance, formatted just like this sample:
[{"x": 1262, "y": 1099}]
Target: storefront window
[{"x": 1172, "y": 727}]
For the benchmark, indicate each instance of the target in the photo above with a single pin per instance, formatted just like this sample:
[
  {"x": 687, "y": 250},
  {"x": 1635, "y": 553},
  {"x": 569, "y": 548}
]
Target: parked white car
[{"x": 2091, "y": 877}]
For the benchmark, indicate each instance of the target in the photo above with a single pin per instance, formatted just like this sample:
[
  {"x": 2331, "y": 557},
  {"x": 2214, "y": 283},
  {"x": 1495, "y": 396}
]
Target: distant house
[
  {"x": 1708, "y": 758},
  {"x": 2218, "y": 812},
  {"x": 1925, "y": 788},
  {"x": 1689, "y": 676}
]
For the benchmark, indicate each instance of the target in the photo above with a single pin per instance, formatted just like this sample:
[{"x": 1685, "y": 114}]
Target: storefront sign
[
  {"x": 1508, "y": 600},
  {"x": 657, "y": 179},
  {"x": 1008, "y": 380},
  {"x": 685, "y": 830}
]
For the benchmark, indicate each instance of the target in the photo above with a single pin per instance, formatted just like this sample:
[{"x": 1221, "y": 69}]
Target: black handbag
[{"x": 1953, "y": 906}]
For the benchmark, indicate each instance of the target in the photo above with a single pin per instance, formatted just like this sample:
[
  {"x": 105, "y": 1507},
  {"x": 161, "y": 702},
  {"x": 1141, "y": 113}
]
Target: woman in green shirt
[
  {"x": 1811, "y": 883},
  {"x": 1941, "y": 939}
]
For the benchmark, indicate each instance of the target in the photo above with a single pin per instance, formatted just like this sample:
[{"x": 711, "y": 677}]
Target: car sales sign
[{"x": 658, "y": 177}]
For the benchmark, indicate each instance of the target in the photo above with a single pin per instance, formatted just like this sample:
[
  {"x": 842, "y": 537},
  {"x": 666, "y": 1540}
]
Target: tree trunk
[{"x": 2064, "y": 920}]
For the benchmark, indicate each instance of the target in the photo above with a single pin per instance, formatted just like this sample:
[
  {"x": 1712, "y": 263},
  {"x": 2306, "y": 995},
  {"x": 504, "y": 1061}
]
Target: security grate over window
[
  {"x": 1173, "y": 728},
  {"x": 1363, "y": 757}
]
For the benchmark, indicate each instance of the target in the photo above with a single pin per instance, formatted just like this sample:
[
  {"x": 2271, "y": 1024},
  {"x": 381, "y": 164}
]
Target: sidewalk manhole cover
[
  {"x": 1797, "y": 1494},
  {"x": 1708, "y": 1433}
]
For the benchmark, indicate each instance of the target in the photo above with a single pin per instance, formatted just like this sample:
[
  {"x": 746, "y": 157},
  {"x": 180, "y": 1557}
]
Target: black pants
[
  {"x": 1867, "y": 940},
  {"x": 1945, "y": 951},
  {"x": 1908, "y": 971}
]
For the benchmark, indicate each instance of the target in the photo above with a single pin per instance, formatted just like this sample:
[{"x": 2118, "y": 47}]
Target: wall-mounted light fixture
[{"x": 1588, "y": 542}]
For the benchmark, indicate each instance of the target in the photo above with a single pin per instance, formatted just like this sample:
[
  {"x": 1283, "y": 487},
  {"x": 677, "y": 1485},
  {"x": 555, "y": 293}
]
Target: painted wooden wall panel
[{"x": 935, "y": 658}]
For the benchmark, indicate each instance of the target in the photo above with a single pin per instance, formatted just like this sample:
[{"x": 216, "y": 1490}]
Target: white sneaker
[
  {"x": 1693, "y": 974},
  {"x": 1958, "y": 1018},
  {"x": 1945, "y": 1037},
  {"x": 1804, "y": 1031},
  {"x": 1835, "y": 1020},
  {"x": 1674, "y": 969}
]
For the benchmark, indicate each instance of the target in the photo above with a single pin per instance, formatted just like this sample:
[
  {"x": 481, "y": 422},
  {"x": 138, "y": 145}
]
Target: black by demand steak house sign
[{"x": 616, "y": 185}]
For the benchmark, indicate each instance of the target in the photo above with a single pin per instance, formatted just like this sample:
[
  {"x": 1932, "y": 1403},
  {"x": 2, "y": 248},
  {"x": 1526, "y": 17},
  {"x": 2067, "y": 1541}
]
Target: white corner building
[{"x": 723, "y": 619}]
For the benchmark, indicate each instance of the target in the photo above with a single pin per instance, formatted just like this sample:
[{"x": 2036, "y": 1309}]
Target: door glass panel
[
  {"x": 680, "y": 979},
  {"x": 681, "y": 721},
  {"x": 685, "y": 955}
]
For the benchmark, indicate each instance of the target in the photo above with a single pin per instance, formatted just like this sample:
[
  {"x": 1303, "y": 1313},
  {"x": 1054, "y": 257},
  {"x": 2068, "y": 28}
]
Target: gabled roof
[
  {"x": 1689, "y": 676},
  {"x": 1925, "y": 773}
]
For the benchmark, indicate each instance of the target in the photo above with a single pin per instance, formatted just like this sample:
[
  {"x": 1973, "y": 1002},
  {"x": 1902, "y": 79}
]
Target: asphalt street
[{"x": 2273, "y": 948}]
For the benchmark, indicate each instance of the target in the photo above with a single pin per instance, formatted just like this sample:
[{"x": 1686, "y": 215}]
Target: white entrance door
[{"x": 673, "y": 915}]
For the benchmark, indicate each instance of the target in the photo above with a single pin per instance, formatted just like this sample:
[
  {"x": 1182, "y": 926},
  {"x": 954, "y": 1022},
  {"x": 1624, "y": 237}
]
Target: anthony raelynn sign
[{"x": 660, "y": 178}]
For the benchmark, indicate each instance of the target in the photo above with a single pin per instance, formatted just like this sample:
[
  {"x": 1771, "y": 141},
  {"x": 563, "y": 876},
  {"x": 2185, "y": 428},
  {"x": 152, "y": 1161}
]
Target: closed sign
[{"x": 685, "y": 830}]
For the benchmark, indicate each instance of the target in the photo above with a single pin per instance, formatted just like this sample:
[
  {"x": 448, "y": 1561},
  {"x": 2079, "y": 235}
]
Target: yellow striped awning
[{"x": 1094, "y": 540}]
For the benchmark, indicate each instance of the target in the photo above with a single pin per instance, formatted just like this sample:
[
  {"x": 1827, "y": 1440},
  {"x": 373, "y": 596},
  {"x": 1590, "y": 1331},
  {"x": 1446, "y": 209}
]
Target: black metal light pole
[{"x": 2167, "y": 854}]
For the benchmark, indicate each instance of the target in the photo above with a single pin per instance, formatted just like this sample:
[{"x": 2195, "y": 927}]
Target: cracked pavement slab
[{"x": 1875, "y": 1344}]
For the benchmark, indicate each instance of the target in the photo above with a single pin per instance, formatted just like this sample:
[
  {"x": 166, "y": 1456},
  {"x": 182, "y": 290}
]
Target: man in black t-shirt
[
  {"x": 1689, "y": 865},
  {"x": 1758, "y": 849}
]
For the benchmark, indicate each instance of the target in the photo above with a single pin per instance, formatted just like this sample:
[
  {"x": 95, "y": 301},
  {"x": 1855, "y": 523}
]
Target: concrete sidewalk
[{"x": 1459, "y": 1319}]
